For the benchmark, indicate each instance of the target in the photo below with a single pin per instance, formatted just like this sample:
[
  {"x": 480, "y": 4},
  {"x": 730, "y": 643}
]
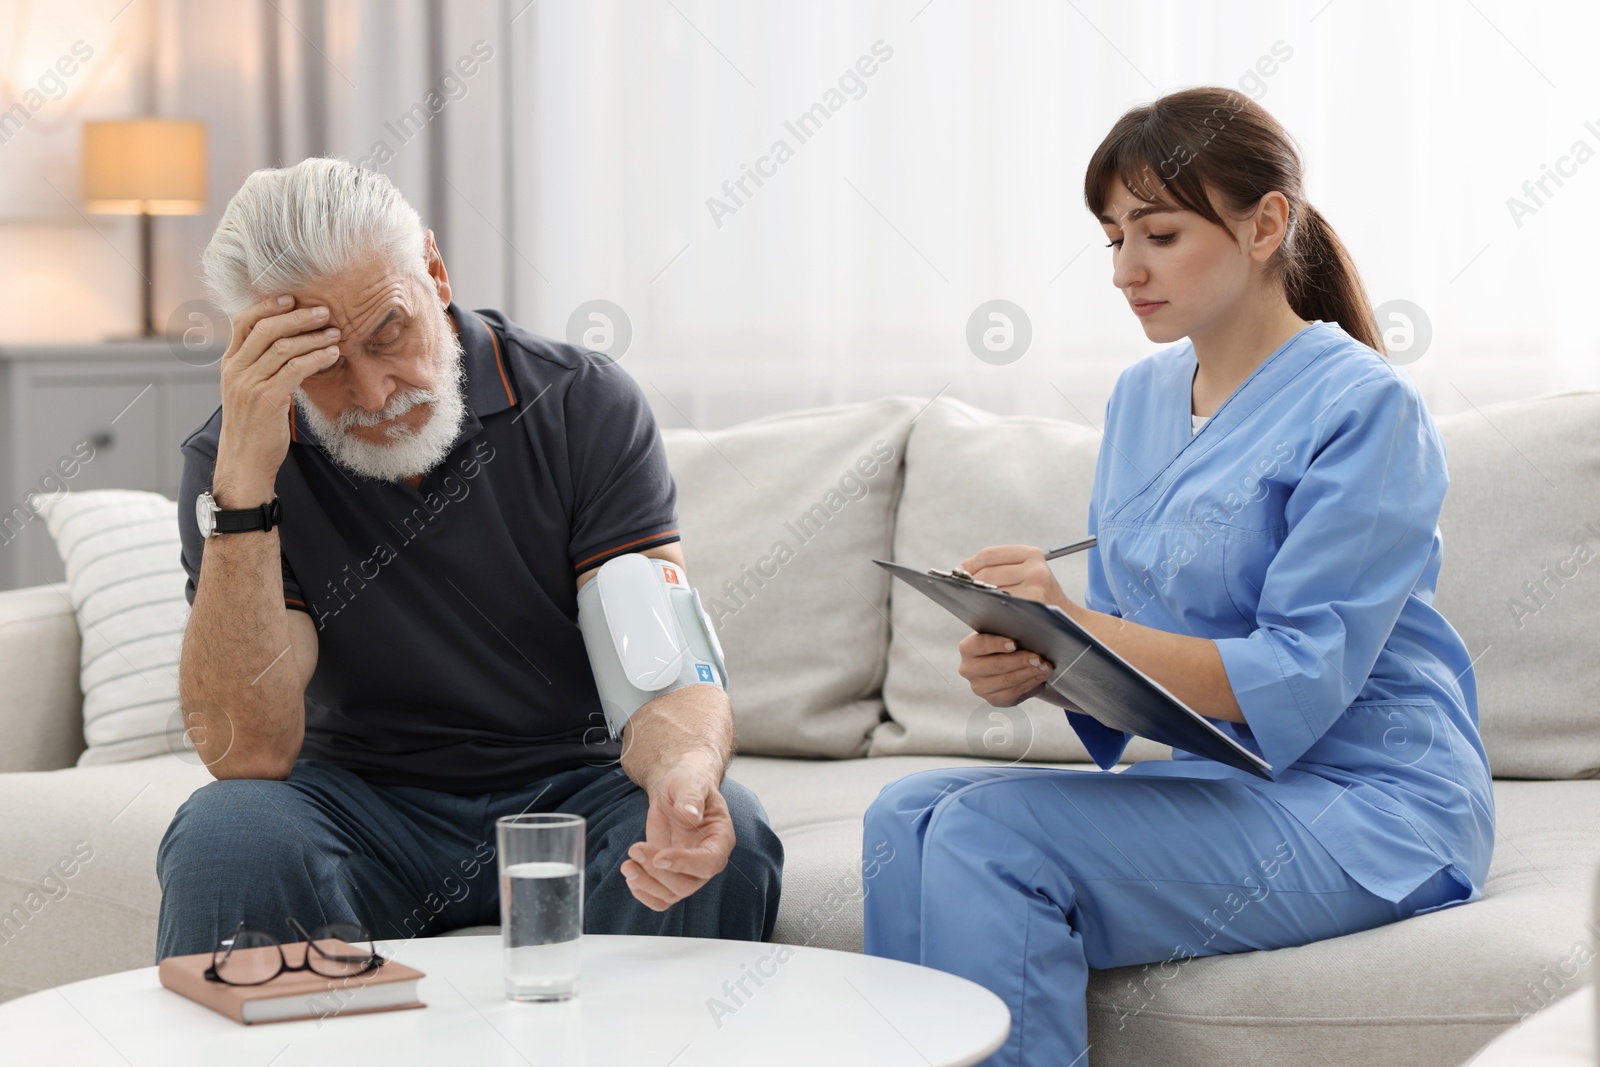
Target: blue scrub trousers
[
  {"x": 324, "y": 845},
  {"x": 1022, "y": 878}
]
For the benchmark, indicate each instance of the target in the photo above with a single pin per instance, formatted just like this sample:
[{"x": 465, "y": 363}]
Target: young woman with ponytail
[{"x": 1266, "y": 503}]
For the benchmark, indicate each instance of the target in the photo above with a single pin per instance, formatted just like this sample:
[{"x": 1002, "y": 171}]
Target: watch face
[{"x": 205, "y": 513}]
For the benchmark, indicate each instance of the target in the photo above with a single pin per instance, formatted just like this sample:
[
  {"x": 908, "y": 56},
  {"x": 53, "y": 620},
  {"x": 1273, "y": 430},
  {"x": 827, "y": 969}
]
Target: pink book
[{"x": 293, "y": 994}]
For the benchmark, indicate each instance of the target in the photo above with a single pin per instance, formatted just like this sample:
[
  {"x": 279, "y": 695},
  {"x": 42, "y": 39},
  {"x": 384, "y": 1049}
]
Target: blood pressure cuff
[{"x": 646, "y": 633}]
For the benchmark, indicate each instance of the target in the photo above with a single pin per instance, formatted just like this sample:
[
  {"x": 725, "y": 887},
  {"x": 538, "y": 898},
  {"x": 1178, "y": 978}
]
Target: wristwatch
[{"x": 214, "y": 520}]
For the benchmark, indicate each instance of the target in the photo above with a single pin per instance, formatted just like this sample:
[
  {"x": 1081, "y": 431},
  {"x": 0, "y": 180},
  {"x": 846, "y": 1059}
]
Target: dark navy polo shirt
[{"x": 449, "y": 653}]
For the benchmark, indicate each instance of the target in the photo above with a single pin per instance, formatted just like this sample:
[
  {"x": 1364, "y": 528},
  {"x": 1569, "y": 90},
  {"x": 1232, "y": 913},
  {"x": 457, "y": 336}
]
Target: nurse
[{"x": 1266, "y": 500}]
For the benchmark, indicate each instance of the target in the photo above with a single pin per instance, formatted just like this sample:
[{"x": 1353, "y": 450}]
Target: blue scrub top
[{"x": 1298, "y": 529}]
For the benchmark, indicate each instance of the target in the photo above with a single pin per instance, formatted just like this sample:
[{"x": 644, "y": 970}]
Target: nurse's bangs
[{"x": 1159, "y": 152}]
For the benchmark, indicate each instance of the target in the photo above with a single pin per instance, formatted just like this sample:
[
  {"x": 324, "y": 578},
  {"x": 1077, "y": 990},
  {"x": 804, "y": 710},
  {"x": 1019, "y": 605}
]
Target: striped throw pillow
[{"x": 126, "y": 584}]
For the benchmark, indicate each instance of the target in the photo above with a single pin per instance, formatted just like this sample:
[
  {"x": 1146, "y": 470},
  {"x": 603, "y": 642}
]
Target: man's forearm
[
  {"x": 238, "y": 680},
  {"x": 692, "y": 723}
]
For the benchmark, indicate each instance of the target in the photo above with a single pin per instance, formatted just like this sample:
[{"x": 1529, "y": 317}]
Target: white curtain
[
  {"x": 580, "y": 161},
  {"x": 956, "y": 178}
]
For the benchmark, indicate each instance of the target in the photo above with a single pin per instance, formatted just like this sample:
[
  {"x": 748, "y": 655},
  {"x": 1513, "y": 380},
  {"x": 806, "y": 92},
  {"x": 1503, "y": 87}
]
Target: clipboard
[{"x": 1107, "y": 687}]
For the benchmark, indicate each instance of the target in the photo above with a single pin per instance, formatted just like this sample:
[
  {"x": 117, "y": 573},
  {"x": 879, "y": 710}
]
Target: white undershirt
[{"x": 1199, "y": 421}]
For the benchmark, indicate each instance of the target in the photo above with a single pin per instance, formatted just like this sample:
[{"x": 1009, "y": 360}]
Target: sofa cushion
[
  {"x": 120, "y": 548},
  {"x": 1425, "y": 992},
  {"x": 1521, "y": 577},
  {"x": 101, "y": 824},
  {"x": 1429, "y": 990},
  {"x": 817, "y": 809},
  {"x": 974, "y": 479},
  {"x": 40, "y": 717},
  {"x": 781, "y": 518},
  {"x": 1563, "y": 1035}
]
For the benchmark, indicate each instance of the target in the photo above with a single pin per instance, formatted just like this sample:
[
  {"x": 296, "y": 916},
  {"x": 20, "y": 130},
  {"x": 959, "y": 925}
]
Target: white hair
[{"x": 288, "y": 226}]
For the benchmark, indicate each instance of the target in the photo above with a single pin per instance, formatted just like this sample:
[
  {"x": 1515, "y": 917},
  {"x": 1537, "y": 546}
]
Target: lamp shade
[{"x": 145, "y": 166}]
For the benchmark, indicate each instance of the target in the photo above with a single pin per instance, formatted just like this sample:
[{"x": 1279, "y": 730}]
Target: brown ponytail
[{"x": 1186, "y": 143}]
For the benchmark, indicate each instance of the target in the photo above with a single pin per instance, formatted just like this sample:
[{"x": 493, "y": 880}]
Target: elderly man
[{"x": 386, "y": 526}]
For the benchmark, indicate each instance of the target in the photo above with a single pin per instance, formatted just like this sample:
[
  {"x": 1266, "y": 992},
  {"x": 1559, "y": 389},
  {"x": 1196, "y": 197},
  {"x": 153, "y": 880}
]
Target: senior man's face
[{"x": 390, "y": 406}]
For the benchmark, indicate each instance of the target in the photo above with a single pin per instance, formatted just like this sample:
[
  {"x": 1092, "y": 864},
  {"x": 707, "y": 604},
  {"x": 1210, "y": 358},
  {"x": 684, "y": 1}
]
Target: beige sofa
[
  {"x": 841, "y": 687},
  {"x": 1561, "y": 1035}
]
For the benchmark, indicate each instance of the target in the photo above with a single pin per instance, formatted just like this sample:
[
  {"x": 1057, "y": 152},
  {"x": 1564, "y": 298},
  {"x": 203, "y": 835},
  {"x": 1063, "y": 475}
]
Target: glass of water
[{"x": 541, "y": 903}]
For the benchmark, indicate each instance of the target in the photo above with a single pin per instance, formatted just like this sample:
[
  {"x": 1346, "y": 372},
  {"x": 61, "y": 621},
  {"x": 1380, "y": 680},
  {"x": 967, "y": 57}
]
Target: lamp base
[{"x": 148, "y": 273}]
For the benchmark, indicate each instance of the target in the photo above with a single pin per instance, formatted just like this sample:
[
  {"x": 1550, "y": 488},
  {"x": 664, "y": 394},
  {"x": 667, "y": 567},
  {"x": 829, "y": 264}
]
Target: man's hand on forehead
[{"x": 274, "y": 346}]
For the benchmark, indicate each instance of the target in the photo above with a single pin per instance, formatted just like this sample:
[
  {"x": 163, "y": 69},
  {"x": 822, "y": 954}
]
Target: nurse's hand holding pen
[
  {"x": 998, "y": 671},
  {"x": 1190, "y": 668}
]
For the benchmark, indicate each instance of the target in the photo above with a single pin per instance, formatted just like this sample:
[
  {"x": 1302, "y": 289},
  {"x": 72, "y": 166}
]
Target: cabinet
[{"x": 108, "y": 416}]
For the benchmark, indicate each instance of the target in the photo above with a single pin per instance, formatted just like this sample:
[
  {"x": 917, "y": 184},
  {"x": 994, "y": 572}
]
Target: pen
[
  {"x": 1054, "y": 553},
  {"x": 1069, "y": 549}
]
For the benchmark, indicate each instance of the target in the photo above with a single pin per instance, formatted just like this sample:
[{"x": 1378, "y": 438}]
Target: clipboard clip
[{"x": 962, "y": 576}]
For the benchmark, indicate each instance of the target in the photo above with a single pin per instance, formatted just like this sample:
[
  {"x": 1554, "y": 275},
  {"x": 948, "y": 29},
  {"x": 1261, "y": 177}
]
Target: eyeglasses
[{"x": 250, "y": 957}]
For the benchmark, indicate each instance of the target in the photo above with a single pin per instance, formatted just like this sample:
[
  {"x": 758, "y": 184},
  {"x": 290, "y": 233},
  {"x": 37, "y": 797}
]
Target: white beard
[{"x": 409, "y": 452}]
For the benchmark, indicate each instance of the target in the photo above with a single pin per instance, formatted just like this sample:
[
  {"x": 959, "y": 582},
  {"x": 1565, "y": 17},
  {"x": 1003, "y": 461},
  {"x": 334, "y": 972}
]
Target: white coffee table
[{"x": 645, "y": 1002}]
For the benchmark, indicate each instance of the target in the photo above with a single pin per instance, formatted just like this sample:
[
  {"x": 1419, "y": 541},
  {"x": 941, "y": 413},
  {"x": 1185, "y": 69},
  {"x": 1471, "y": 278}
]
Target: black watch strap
[{"x": 243, "y": 520}]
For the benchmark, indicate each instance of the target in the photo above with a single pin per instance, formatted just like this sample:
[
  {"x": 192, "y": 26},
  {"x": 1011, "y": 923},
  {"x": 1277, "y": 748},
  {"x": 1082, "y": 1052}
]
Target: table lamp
[{"x": 145, "y": 167}]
